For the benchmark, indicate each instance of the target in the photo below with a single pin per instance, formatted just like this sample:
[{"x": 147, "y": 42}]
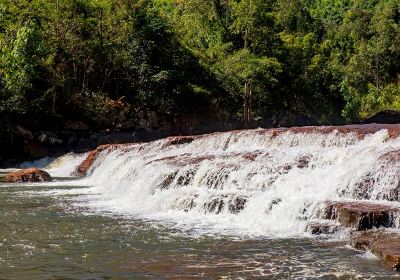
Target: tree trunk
[{"x": 247, "y": 105}]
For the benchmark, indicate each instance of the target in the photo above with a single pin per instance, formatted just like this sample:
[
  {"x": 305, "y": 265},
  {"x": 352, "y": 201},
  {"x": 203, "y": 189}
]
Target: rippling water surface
[{"x": 52, "y": 237}]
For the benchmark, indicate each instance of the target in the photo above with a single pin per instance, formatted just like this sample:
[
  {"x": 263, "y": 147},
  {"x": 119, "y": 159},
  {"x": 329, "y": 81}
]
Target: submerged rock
[
  {"x": 27, "y": 175},
  {"x": 382, "y": 243}
]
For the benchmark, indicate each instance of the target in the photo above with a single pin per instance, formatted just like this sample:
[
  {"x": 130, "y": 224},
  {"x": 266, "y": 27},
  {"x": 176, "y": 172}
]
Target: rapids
[{"x": 244, "y": 183}]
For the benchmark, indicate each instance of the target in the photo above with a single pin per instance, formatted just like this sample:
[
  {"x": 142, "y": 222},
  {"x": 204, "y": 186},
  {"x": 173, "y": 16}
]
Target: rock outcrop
[
  {"x": 92, "y": 156},
  {"x": 371, "y": 226},
  {"x": 384, "y": 244},
  {"x": 388, "y": 117},
  {"x": 29, "y": 175},
  {"x": 361, "y": 215}
]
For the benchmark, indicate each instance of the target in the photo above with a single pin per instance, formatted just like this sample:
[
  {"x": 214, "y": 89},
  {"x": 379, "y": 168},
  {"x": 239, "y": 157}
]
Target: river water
[
  {"x": 224, "y": 206},
  {"x": 52, "y": 237}
]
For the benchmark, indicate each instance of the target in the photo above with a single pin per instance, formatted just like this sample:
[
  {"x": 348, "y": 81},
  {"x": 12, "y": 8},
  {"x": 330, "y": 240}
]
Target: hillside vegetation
[{"x": 101, "y": 62}]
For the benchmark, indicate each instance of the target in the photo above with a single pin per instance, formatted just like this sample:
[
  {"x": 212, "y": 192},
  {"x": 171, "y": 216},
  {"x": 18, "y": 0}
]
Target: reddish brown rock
[
  {"x": 388, "y": 251},
  {"x": 382, "y": 243},
  {"x": 28, "y": 175},
  {"x": 92, "y": 156},
  {"x": 363, "y": 240},
  {"x": 361, "y": 215}
]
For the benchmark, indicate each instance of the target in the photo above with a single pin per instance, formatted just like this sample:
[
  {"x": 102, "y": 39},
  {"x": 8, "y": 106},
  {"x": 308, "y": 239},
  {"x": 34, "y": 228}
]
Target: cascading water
[
  {"x": 65, "y": 166},
  {"x": 255, "y": 182}
]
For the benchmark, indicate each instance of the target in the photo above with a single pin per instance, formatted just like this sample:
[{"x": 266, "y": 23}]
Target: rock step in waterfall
[{"x": 319, "y": 180}]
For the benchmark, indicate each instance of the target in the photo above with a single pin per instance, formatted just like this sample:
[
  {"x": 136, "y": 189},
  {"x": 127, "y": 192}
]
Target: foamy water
[{"x": 241, "y": 183}]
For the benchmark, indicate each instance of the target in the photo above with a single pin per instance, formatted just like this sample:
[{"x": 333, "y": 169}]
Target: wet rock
[
  {"x": 237, "y": 204},
  {"x": 186, "y": 178},
  {"x": 318, "y": 228},
  {"x": 362, "y": 215},
  {"x": 92, "y": 156},
  {"x": 388, "y": 251},
  {"x": 179, "y": 140},
  {"x": 363, "y": 240},
  {"x": 273, "y": 203},
  {"x": 217, "y": 179},
  {"x": 215, "y": 205},
  {"x": 28, "y": 175},
  {"x": 303, "y": 161},
  {"x": 383, "y": 243},
  {"x": 186, "y": 204},
  {"x": 167, "y": 181}
]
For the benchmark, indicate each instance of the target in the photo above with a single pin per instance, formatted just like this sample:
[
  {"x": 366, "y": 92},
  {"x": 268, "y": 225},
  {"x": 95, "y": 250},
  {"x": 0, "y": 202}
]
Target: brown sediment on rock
[
  {"x": 178, "y": 140},
  {"x": 30, "y": 175},
  {"x": 92, "y": 156},
  {"x": 362, "y": 215},
  {"x": 382, "y": 243}
]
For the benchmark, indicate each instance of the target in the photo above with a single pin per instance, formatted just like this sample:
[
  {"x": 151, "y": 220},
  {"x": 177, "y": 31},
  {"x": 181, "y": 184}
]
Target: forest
[{"x": 101, "y": 62}]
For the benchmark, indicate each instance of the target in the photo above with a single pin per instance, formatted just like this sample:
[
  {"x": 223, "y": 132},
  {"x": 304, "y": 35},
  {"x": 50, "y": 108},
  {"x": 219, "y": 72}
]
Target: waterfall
[{"x": 252, "y": 182}]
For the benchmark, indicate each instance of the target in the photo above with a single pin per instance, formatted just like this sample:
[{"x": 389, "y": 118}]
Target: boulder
[
  {"x": 390, "y": 117},
  {"x": 28, "y": 175}
]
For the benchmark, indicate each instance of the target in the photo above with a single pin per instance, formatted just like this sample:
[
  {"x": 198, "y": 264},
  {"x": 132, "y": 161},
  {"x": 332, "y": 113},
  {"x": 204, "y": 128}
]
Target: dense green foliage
[{"x": 333, "y": 60}]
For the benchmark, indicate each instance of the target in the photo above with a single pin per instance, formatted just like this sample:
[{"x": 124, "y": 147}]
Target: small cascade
[
  {"x": 256, "y": 182},
  {"x": 268, "y": 182},
  {"x": 65, "y": 166}
]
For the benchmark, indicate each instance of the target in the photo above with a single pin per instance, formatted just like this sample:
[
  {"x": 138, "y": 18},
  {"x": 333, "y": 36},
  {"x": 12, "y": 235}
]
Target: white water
[
  {"x": 65, "y": 166},
  {"x": 245, "y": 183}
]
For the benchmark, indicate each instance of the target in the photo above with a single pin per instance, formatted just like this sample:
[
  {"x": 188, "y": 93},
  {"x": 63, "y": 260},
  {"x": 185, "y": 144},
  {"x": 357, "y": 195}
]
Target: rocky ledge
[
  {"x": 385, "y": 244},
  {"x": 373, "y": 227},
  {"x": 27, "y": 175}
]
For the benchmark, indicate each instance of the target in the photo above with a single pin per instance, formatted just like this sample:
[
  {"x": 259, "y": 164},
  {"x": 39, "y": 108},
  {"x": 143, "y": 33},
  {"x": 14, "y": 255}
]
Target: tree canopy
[{"x": 336, "y": 61}]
